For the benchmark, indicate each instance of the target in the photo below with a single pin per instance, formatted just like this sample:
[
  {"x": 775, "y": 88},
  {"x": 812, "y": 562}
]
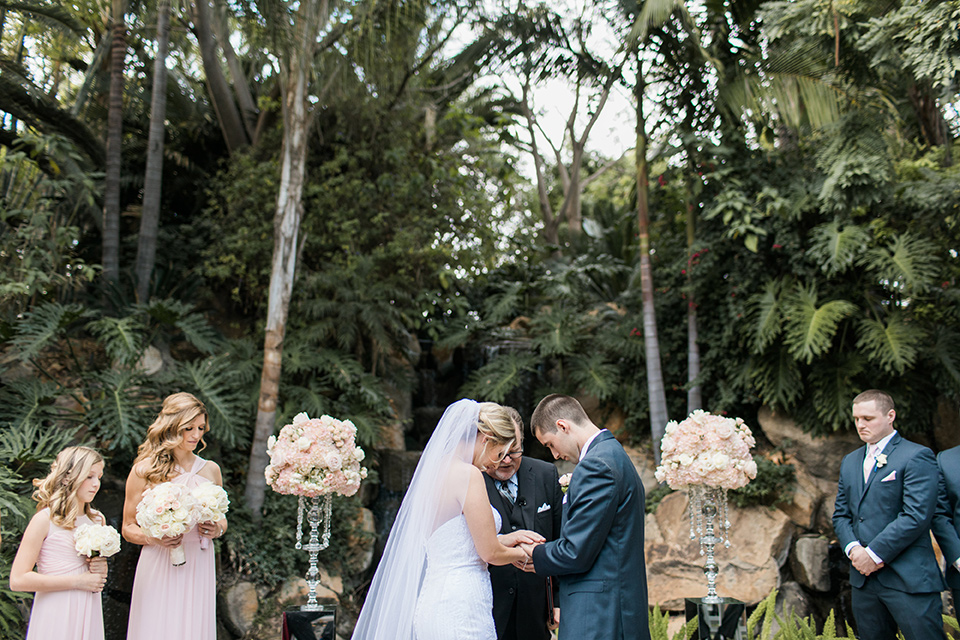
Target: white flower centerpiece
[
  {"x": 707, "y": 455},
  {"x": 315, "y": 458}
]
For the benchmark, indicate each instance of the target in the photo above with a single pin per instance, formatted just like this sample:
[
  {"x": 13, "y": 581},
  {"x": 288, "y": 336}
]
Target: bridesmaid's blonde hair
[
  {"x": 496, "y": 424},
  {"x": 58, "y": 491},
  {"x": 155, "y": 461}
]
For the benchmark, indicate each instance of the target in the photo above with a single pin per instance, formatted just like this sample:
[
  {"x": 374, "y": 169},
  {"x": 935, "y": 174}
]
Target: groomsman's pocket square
[
  {"x": 564, "y": 501},
  {"x": 543, "y": 507},
  {"x": 891, "y": 477}
]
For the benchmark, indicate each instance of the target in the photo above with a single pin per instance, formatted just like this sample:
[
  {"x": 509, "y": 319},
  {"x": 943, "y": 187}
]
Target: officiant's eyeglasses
[{"x": 513, "y": 454}]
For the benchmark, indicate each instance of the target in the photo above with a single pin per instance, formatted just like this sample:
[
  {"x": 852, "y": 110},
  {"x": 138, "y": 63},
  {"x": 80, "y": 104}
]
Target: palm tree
[
  {"x": 111, "y": 205},
  {"x": 153, "y": 178}
]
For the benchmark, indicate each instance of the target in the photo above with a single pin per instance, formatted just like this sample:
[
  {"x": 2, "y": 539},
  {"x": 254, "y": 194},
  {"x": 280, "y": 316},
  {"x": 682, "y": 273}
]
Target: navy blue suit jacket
[
  {"x": 946, "y": 520},
  {"x": 892, "y": 514},
  {"x": 598, "y": 557}
]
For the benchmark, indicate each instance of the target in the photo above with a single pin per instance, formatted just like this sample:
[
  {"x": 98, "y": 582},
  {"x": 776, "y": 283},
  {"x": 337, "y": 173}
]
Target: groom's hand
[
  {"x": 521, "y": 537},
  {"x": 527, "y": 565}
]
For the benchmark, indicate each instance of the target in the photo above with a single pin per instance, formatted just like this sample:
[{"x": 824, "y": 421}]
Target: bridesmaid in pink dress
[
  {"x": 68, "y": 586},
  {"x": 173, "y": 602}
]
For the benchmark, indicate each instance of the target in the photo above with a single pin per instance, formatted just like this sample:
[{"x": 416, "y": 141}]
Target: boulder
[
  {"x": 604, "y": 414},
  {"x": 792, "y": 598},
  {"x": 391, "y": 437},
  {"x": 749, "y": 569},
  {"x": 396, "y": 469},
  {"x": 643, "y": 461},
  {"x": 240, "y": 607},
  {"x": 808, "y": 497},
  {"x": 295, "y": 591},
  {"x": 151, "y": 361},
  {"x": 810, "y": 562},
  {"x": 821, "y": 455},
  {"x": 361, "y": 542}
]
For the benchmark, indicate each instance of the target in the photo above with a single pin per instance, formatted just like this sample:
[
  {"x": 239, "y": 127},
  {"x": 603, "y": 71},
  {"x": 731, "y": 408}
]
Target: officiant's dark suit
[
  {"x": 598, "y": 557},
  {"x": 520, "y": 598},
  {"x": 883, "y": 524},
  {"x": 946, "y": 520}
]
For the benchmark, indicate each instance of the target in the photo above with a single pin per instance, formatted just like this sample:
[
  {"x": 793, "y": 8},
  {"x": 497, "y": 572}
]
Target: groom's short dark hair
[{"x": 555, "y": 407}]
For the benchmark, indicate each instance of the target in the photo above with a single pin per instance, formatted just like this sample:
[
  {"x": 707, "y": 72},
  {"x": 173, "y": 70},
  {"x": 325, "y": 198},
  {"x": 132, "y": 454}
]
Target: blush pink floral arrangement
[
  {"x": 166, "y": 510},
  {"x": 707, "y": 449},
  {"x": 314, "y": 457}
]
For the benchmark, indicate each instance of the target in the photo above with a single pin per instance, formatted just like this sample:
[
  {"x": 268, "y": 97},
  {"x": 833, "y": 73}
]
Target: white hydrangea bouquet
[
  {"x": 167, "y": 510},
  {"x": 211, "y": 504},
  {"x": 314, "y": 457},
  {"x": 93, "y": 540},
  {"x": 707, "y": 449}
]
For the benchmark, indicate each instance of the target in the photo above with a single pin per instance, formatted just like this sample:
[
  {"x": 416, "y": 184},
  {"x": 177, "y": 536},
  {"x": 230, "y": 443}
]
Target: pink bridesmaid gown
[
  {"x": 71, "y": 614},
  {"x": 176, "y": 603}
]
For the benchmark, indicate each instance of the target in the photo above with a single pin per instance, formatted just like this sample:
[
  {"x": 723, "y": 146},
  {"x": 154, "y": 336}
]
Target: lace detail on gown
[{"x": 456, "y": 600}]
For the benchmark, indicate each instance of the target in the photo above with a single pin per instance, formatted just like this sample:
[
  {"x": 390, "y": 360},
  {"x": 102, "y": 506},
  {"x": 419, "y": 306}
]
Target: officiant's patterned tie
[{"x": 507, "y": 489}]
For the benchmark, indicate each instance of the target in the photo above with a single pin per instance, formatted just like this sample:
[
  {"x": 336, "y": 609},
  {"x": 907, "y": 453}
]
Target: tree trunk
[
  {"x": 297, "y": 118},
  {"x": 655, "y": 390},
  {"x": 248, "y": 108},
  {"x": 111, "y": 204},
  {"x": 221, "y": 97},
  {"x": 153, "y": 178},
  {"x": 694, "y": 397}
]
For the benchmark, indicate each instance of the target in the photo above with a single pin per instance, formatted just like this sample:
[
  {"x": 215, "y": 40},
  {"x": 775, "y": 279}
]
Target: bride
[{"x": 432, "y": 582}]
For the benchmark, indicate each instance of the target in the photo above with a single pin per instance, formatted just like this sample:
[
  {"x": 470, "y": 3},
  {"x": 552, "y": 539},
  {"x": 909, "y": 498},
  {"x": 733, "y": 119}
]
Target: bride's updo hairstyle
[
  {"x": 58, "y": 490},
  {"x": 155, "y": 461},
  {"x": 495, "y": 423}
]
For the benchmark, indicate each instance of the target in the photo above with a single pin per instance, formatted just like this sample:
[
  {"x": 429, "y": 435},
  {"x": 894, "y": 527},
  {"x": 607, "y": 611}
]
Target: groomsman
[
  {"x": 946, "y": 521},
  {"x": 886, "y": 499},
  {"x": 526, "y": 492},
  {"x": 598, "y": 557}
]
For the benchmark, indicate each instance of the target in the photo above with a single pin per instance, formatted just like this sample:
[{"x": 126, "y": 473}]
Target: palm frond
[
  {"x": 811, "y": 327},
  {"x": 500, "y": 376},
  {"x": 766, "y": 312},
  {"x": 123, "y": 338},
  {"x": 503, "y": 306},
  {"x": 893, "y": 344},
  {"x": 776, "y": 378},
  {"x": 118, "y": 409},
  {"x": 558, "y": 331},
  {"x": 212, "y": 381},
  {"x": 42, "y": 326},
  {"x": 835, "y": 384},
  {"x": 26, "y": 402},
  {"x": 52, "y": 15},
  {"x": 595, "y": 375},
  {"x": 837, "y": 248},
  {"x": 907, "y": 262}
]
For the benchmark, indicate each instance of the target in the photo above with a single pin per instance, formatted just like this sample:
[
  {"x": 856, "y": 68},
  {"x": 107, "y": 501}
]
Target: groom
[{"x": 599, "y": 554}]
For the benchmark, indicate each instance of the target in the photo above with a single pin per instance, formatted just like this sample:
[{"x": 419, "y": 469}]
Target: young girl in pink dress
[
  {"x": 173, "y": 601},
  {"x": 68, "y": 586}
]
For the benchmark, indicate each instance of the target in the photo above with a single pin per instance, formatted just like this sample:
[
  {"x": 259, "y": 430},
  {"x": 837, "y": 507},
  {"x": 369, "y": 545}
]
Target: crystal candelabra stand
[
  {"x": 706, "y": 504},
  {"x": 317, "y": 541}
]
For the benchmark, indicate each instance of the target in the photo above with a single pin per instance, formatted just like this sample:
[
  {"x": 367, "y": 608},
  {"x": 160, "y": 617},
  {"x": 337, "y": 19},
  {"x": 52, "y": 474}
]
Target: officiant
[{"x": 527, "y": 493}]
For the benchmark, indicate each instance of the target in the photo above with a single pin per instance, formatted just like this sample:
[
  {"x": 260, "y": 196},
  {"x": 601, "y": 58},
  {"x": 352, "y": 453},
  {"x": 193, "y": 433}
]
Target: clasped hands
[
  {"x": 862, "y": 561},
  {"x": 526, "y": 541}
]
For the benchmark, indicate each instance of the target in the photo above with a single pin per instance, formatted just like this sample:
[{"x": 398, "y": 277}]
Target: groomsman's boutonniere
[
  {"x": 881, "y": 460},
  {"x": 565, "y": 482}
]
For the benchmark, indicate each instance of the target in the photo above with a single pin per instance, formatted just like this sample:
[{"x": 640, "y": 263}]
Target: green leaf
[
  {"x": 42, "y": 326},
  {"x": 765, "y": 311},
  {"x": 811, "y": 327},
  {"x": 118, "y": 409},
  {"x": 776, "y": 378},
  {"x": 557, "y": 332},
  {"x": 892, "y": 345},
  {"x": 837, "y": 248},
  {"x": 122, "y": 338},
  {"x": 907, "y": 262},
  {"x": 211, "y": 381},
  {"x": 595, "y": 375},
  {"x": 500, "y": 376}
]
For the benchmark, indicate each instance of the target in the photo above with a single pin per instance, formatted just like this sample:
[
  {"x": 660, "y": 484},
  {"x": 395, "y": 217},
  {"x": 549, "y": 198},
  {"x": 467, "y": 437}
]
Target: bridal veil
[{"x": 434, "y": 496}]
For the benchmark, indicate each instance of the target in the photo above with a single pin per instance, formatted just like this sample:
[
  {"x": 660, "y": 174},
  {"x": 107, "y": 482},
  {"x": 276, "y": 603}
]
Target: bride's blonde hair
[
  {"x": 155, "y": 462},
  {"x": 497, "y": 425},
  {"x": 58, "y": 491}
]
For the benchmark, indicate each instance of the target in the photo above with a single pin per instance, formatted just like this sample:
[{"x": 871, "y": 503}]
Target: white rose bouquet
[
  {"x": 314, "y": 457},
  {"x": 167, "y": 510},
  {"x": 210, "y": 505},
  {"x": 94, "y": 540}
]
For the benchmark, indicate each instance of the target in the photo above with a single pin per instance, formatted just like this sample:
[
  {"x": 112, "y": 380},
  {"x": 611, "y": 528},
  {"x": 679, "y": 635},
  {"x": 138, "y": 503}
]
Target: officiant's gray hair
[{"x": 556, "y": 407}]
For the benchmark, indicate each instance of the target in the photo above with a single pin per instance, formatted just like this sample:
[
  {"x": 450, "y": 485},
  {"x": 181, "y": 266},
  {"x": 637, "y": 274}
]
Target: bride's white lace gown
[{"x": 456, "y": 600}]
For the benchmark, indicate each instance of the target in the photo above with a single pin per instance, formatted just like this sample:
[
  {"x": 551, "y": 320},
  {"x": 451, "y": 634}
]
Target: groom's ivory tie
[{"x": 869, "y": 461}]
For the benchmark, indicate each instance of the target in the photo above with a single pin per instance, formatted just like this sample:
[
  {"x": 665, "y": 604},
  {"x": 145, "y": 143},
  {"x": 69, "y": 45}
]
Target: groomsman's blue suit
[
  {"x": 598, "y": 557},
  {"x": 946, "y": 521},
  {"x": 891, "y": 514}
]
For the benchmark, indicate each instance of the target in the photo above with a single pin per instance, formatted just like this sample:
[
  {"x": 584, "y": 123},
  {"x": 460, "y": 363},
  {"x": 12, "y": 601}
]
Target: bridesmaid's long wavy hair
[
  {"x": 58, "y": 490},
  {"x": 155, "y": 461}
]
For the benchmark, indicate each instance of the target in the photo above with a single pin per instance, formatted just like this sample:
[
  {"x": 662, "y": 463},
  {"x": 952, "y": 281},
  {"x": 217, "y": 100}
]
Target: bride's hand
[{"x": 521, "y": 537}]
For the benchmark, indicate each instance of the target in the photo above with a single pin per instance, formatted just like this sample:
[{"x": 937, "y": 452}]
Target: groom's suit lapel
[{"x": 888, "y": 452}]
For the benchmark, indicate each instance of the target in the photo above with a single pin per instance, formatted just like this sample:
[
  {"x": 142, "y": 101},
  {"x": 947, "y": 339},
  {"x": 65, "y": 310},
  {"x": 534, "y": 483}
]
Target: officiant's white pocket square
[
  {"x": 891, "y": 477},
  {"x": 543, "y": 507}
]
